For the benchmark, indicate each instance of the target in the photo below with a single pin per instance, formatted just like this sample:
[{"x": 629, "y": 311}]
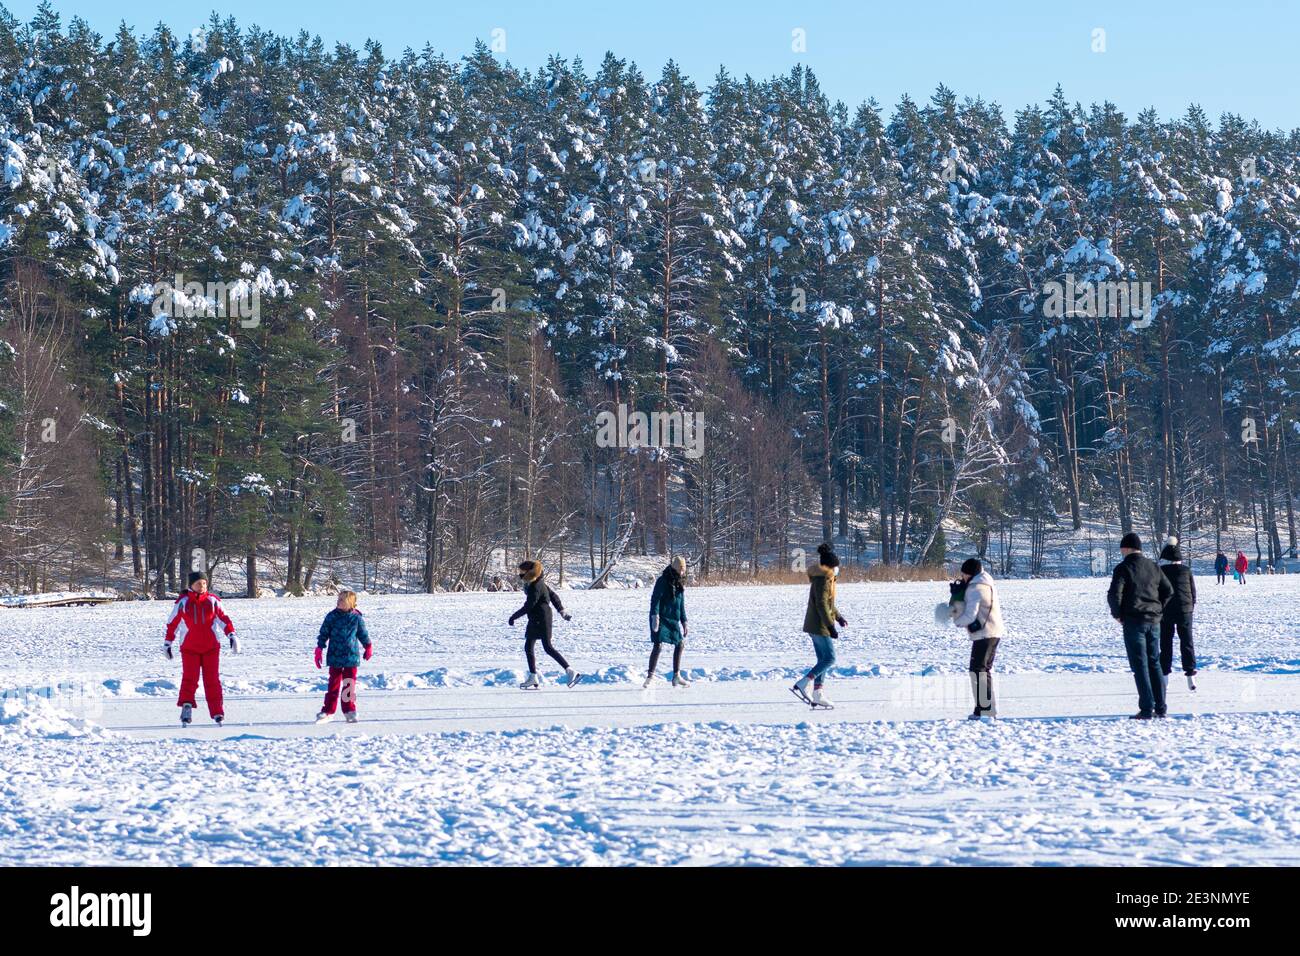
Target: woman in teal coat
[{"x": 668, "y": 618}]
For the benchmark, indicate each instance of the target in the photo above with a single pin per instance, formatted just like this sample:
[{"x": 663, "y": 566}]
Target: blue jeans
[
  {"x": 1142, "y": 641},
  {"x": 825, "y": 648}
]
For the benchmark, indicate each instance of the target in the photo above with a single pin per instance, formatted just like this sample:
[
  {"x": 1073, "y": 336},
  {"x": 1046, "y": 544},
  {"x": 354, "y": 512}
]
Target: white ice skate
[
  {"x": 572, "y": 677},
  {"x": 679, "y": 680},
  {"x": 531, "y": 683},
  {"x": 351, "y": 715},
  {"x": 649, "y": 679},
  {"x": 187, "y": 713},
  {"x": 821, "y": 701},
  {"x": 1191, "y": 682},
  {"x": 324, "y": 718},
  {"x": 800, "y": 689}
]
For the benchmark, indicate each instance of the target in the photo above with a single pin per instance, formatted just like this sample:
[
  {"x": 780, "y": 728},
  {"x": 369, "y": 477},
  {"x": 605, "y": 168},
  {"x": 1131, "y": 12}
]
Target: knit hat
[
  {"x": 1132, "y": 541},
  {"x": 971, "y": 566},
  {"x": 197, "y": 576},
  {"x": 1170, "y": 552},
  {"x": 826, "y": 556}
]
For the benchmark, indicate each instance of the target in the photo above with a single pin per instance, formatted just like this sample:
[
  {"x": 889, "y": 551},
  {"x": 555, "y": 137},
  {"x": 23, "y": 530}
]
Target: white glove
[
  {"x": 167, "y": 649},
  {"x": 234, "y": 644}
]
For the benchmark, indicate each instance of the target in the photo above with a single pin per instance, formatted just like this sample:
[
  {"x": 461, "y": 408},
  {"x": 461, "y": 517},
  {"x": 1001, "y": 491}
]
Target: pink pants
[{"x": 343, "y": 680}]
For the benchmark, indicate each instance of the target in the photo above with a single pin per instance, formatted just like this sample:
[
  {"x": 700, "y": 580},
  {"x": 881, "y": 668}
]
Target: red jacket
[
  {"x": 1242, "y": 564},
  {"x": 194, "y": 616}
]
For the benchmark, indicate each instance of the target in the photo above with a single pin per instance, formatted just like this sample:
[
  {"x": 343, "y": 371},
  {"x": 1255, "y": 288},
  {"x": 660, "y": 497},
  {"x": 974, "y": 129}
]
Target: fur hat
[
  {"x": 1132, "y": 541},
  {"x": 827, "y": 557},
  {"x": 530, "y": 571}
]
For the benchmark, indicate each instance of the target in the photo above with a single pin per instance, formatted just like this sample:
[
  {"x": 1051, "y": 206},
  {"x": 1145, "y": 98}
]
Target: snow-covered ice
[{"x": 451, "y": 763}]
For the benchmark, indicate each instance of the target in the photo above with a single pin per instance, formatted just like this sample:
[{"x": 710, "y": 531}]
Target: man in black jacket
[
  {"x": 1178, "y": 614},
  {"x": 1137, "y": 597}
]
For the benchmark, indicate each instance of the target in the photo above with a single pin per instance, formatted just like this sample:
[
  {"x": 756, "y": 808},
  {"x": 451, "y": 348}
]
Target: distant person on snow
[
  {"x": 192, "y": 621},
  {"x": 819, "y": 622},
  {"x": 1241, "y": 567},
  {"x": 1137, "y": 597},
  {"x": 538, "y": 599},
  {"x": 668, "y": 618},
  {"x": 981, "y": 619},
  {"x": 344, "y": 633},
  {"x": 1221, "y": 566},
  {"x": 1177, "y": 614}
]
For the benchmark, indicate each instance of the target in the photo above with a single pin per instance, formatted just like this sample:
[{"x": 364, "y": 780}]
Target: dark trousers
[
  {"x": 548, "y": 647},
  {"x": 1222, "y": 576},
  {"x": 677, "y": 655},
  {"x": 982, "y": 653},
  {"x": 1187, "y": 651},
  {"x": 343, "y": 681},
  {"x": 1142, "y": 642}
]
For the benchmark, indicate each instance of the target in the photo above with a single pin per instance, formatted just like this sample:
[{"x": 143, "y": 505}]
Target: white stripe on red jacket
[{"x": 193, "y": 618}]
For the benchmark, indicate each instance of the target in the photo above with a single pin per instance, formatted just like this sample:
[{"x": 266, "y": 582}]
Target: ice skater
[
  {"x": 1177, "y": 615},
  {"x": 1137, "y": 596},
  {"x": 344, "y": 633},
  {"x": 668, "y": 619},
  {"x": 192, "y": 623},
  {"x": 1221, "y": 566},
  {"x": 981, "y": 619},
  {"x": 1242, "y": 567},
  {"x": 819, "y": 622},
  {"x": 538, "y": 599}
]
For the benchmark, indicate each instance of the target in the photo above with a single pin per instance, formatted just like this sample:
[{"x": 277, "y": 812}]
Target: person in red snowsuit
[
  {"x": 1241, "y": 567},
  {"x": 193, "y": 619}
]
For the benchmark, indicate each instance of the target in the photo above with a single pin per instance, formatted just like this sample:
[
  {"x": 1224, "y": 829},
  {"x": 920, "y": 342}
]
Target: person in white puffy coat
[{"x": 981, "y": 619}]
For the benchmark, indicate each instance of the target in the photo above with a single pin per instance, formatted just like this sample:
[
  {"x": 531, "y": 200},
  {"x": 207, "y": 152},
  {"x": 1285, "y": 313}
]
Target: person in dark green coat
[
  {"x": 819, "y": 621},
  {"x": 668, "y": 618}
]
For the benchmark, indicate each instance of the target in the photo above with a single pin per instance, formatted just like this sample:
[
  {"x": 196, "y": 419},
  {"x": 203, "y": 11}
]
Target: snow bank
[
  {"x": 1212, "y": 790},
  {"x": 33, "y": 717}
]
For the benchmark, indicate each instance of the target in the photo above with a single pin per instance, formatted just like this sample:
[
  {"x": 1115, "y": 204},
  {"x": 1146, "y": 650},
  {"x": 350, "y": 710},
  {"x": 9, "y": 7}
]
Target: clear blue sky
[{"x": 1228, "y": 56}]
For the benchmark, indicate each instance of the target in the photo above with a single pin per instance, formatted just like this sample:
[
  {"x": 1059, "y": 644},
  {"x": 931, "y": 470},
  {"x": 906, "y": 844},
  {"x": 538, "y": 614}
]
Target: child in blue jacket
[{"x": 344, "y": 632}]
